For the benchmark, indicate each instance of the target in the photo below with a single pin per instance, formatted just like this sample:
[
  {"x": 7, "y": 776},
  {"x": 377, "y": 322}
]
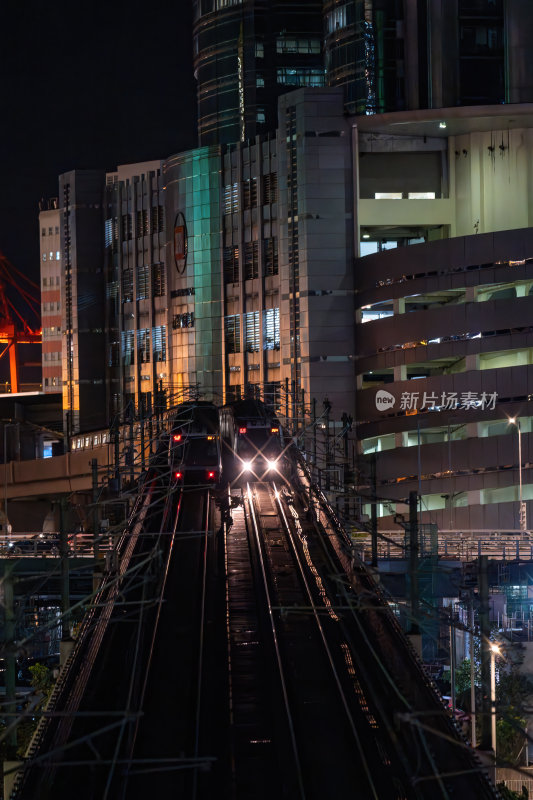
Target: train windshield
[{"x": 201, "y": 452}]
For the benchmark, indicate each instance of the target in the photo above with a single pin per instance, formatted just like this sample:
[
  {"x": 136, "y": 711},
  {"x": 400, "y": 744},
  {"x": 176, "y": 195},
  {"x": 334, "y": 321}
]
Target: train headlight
[
  {"x": 272, "y": 464},
  {"x": 247, "y": 466}
]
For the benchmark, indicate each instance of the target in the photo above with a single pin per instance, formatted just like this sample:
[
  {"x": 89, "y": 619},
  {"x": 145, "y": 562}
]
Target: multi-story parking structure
[{"x": 443, "y": 327}]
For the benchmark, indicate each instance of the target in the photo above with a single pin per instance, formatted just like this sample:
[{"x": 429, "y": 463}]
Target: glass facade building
[{"x": 246, "y": 54}]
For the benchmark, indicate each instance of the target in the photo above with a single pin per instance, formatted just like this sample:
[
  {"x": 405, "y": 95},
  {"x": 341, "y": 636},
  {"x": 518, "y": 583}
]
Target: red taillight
[
  {"x": 274, "y": 430},
  {"x": 178, "y": 475},
  {"x": 177, "y": 437},
  {"x": 211, "y": 475},
  {"x": 242, "y": 430}
]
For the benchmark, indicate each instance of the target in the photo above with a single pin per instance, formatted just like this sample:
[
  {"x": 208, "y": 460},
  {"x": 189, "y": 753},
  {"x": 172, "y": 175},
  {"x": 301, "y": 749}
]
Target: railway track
[{"x": 298, "y": 715}]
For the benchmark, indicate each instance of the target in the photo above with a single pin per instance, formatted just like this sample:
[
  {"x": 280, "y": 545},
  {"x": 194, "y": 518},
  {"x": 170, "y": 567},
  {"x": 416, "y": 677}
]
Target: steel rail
[
  {"x": 275, "y": 638},
  {"x": 329, "y": 655},
  {"x": 133, "y": 674},
  {"x": 159, "y": 603},
  {"x": 201, "y": 644}
]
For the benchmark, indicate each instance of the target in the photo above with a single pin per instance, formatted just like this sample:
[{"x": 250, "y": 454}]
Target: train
[
  {"x": 194, "y": 451},
  {"x": 253, "y": 432}
]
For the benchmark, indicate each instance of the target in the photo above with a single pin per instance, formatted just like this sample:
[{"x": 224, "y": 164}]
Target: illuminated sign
[
  {"x": 180, "y": 242},
  {"x": 413, "y": 402},
  {"x": 384, "y": 400}
]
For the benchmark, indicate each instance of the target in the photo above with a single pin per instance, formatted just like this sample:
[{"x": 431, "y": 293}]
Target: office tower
[{"x": 246, "y": 54}]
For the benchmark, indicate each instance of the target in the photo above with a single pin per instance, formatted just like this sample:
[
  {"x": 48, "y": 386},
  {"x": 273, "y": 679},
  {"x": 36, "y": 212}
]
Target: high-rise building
[
  {"x": 51, "y": 271},
  {"x": 82, "y": 316},
  {"x": 393, "y": 55},
  {"x": 246, "y": 54}
]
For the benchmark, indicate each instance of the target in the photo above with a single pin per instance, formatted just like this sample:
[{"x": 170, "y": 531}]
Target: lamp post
[
  {"x": 494, "y": 651},
  {"x": 522, "y": 505}
]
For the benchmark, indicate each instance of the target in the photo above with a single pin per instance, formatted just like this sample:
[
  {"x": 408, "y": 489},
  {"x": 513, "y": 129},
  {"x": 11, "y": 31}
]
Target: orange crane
[{"x": 14, "y": 329}]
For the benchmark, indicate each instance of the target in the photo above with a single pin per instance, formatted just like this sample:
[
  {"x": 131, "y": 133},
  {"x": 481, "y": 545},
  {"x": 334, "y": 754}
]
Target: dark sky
[{"x": 86, "y": 85}]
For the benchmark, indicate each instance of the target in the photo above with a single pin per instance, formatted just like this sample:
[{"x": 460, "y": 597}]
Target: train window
[{"x": 87, "y": 441}]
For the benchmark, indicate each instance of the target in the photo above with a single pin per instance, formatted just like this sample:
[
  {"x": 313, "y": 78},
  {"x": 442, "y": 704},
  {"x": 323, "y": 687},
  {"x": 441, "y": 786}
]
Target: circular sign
[{"x": 180, "y": 242}]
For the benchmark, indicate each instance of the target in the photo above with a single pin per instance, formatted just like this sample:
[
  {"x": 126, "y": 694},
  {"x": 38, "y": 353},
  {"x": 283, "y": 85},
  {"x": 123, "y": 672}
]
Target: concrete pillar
[
  {"x": 398, "y": 306},
  {"x": 400, "y": 372}
]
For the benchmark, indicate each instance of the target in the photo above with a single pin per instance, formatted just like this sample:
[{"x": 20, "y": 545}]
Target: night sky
[{"x": 86, "y": 85}]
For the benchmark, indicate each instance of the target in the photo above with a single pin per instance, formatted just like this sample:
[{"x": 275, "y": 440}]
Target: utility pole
[
  {"x": 314, "y": 433},
  {"x": 374, "y": 513},
  {"x": 66, "y": 643},
  {"x": 96, "y": 527},
  {"x": 484, "y": 624},
  {"x": 413, "y": 561},
  {"x": 327, "y": 409}
]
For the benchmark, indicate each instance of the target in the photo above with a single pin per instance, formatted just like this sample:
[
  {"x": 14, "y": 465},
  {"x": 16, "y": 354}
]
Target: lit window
[
  {"x": 44, "y": 256},
  {"x": 336, "y": 19},
  {"x": 301, "y": 76},
  {"x": 421, "y": 195},
  {"x": 260, "y": 116},
  {"x": 51, "y": 255},
  {"x": 58, "y": 255},
  {"x": 259, "y": 50},
  {"x": 259, "y": 81},
  {"x": 388, "y": 195}
]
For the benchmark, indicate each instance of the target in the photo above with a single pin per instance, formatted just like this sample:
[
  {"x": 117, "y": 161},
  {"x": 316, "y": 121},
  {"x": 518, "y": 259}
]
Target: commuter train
[
  {"x": 254, "y": 434},
  {"x": 194, "y": 453}
]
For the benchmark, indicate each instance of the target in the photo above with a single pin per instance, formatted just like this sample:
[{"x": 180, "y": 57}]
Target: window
[
  {"x": 259, "y": 50},
  {"x": 45, "y": 281},
  {"x": 231, "y": 264},
  {"x": 157, "y": 219},
  {"x": 251, "y": 332},
  {"x": 159, "y": 342},
  {"x": 259, "y": 81},
  {"x": 336, "y": 19},
  {"x": 43, "y": 231},
  {"x": 142, "y": 281},
  {"x": 301, "y": 76},
  {"x": 127, "y": 285},
  {"x": 231, "y": 198},
  {"x": 158, "y": 278},
  {"x": 57, "y": 230},
  {"x": 143, "y": 345},
  {"x": 270, "y": 255},
  {"x": 232, "y": 333},
  {"x": 297, "y": 45},
  {"x": 44, "y": 256},
  {"x": 249, "y": 193},
  {"x": 185, "y": 320},
  {"x": 421, "y": 195},
  {"x": 251, "y": 260},
  {"x": 270, "y": 188},
  {"x": 58, "y": 255},
  {"x": 128, "y": 339},
  {"x": 227, "y": 3},
  {"x": 127, "y": 227},
  {"x": 388, "y": 196},
  {"x": 50, "y": 231},
  {"x": 141, "y": 223},
  {"x": 260, "y": 115},
  {"x": 51, "y": 255},
  {"x": 271, "y": 329}
]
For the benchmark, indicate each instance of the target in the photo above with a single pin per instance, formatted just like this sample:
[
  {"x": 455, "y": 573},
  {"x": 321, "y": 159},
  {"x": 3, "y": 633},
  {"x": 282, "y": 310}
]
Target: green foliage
[
  {"x": 510, "y": 735},
  {"x": 508, "y": 794},
  {"x": 41, "y": 678}
]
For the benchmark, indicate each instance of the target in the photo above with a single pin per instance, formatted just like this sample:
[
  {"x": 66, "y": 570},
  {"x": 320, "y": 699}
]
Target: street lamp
[
  {"x": 494, "y": 651},
  {"x": 522, "y": 505}
]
